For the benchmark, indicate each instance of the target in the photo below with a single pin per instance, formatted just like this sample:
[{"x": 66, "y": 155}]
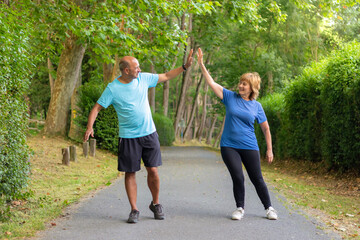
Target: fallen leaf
[
  {"x": 53, "y": 224},
  {"x": 8, "y": 233}
]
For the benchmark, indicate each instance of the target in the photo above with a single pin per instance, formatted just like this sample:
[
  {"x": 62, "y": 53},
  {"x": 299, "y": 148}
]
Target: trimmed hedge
[
  {"x": 340, "y": 97},
  {"x": 165, "y": 129},
  {"x": 303, "y": 114},
  {"x": 320, "y": 116},
  {"x": 273, "y": 106}
]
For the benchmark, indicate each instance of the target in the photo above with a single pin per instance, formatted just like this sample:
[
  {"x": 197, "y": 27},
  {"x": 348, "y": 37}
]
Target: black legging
[{"x": 251, "y": 159}]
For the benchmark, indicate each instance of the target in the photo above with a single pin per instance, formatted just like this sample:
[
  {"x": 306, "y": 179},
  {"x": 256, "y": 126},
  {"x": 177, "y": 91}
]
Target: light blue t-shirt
[
  {"x": 131, "y": 104},
  {"x": 239, "y": 123}
]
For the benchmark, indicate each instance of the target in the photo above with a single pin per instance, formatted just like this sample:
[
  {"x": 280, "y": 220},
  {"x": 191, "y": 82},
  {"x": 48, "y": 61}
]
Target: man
[{"x": 137, "y": 134}]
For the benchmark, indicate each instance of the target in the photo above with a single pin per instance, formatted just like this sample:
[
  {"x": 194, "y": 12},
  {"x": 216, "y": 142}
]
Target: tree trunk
[
  {"x": 216, "y": 144},
  {"x": 75, "y": 132},
  {"x": 51, "y": 79},
  {"x": 270, "y": 81},
  {"x": 107, "y": 72},
  {"x": 116, "y": 70},
  {"x": 151, "y": 94},
  {"x": 209, "y": 137},
  {"x": 166, "y": 89},
  {"x": 186, "y": 78},
  {"x": 66, "y": 77},
  {"x": 166, "y": 86},
  {"x": 203, "y": 115}
]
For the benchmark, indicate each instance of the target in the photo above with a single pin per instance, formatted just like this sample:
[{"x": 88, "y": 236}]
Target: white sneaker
[
  {"x": 238, "y": 214},
  {"x": 271, "y": 213}
]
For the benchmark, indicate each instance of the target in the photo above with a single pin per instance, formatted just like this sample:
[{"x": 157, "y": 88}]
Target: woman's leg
[
  {"x": 232, "y": 161},
  {"x": 251, "y": 160}
]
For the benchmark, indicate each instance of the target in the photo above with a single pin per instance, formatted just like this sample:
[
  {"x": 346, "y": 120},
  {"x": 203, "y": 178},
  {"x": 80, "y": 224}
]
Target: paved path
[{"x": 196, "y": 192}]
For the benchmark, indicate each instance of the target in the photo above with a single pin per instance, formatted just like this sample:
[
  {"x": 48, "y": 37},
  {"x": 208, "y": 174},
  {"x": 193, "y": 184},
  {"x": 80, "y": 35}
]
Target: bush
[
  {"x": 273, "y": 106},
  {"x": 340, "y": 98},
  {"x": 165, "y": 129},
  {"x": 321, "y": 115},
  {"x": 302, "y": 119},
  {"x": 15, "y": 69}
]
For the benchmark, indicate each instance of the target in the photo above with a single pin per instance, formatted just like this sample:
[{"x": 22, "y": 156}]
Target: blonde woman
[{"x": 238, "y": 142}]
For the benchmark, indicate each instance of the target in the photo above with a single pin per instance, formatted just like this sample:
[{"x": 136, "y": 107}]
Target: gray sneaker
[
  {"x": 134, "y": 216},
  {"x": 157, "y": 210}
]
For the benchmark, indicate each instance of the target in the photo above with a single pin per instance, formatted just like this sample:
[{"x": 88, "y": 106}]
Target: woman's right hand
[{"x": 200, "y": 56}]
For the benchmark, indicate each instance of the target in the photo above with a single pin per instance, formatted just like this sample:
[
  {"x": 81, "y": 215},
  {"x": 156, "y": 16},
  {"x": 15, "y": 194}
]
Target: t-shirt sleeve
[
  {"x": 106, "y": 98},
  {"x": 260, "y": 117},
  {"x": 226, "y": 94},
  {"x": 150, "y": 79}
]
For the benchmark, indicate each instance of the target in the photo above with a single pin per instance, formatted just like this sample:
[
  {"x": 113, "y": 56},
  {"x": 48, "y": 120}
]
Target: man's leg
[
  {"x": 153, "y": 183},
  {"x": 131, "y": 189}
]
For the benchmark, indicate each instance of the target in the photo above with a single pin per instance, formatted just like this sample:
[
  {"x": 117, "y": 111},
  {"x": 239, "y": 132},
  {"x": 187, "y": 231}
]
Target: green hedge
[
  {"x": 165, "y": 129},
  {"x": 273, "y": 106},
  {"x": 302, "y": 115},
  {"x": 319, "y": 116},
  {"x": 340, "y": 97},
  {"x": 16, "y": 64}
]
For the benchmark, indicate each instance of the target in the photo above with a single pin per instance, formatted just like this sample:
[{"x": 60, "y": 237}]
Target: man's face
[{"x": 134, "y": 69}]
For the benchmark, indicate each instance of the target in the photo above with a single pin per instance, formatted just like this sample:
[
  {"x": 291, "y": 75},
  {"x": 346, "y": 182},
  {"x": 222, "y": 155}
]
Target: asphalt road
[{"x": 196, "y": 192}]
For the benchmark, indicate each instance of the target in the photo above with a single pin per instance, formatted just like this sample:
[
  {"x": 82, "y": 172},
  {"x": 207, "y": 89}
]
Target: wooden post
[
  {"x": 66, "y": 156},
  {"x": 73, "y": 153},
  {"x": 86, "y": 149},
  {"x": 92, "y": 147}
]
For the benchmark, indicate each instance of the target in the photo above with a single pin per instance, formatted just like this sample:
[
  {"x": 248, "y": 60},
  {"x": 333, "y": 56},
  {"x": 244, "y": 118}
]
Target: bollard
[
  {"x": 66, "y": 156},
  {"x": 86, "y": 149},
  {"x": 92, "y": 147},
  {"x": 73, "y": 153}
]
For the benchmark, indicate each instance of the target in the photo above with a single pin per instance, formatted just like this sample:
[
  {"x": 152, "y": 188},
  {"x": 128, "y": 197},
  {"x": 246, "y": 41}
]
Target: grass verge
[
  {"x": 331, "y": 198},
  {"x": 54, "y": 186}
]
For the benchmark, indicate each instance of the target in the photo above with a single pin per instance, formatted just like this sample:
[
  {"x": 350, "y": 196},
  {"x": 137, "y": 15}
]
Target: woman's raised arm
[{"x": 218, "y": 89}]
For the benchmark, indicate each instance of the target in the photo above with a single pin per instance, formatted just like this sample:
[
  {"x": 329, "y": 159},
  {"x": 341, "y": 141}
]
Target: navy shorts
[{"x": 132, "y": 150}]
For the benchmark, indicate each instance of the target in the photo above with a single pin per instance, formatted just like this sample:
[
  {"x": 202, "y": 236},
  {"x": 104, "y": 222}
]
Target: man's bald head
[{"x": 125, "y": 62}]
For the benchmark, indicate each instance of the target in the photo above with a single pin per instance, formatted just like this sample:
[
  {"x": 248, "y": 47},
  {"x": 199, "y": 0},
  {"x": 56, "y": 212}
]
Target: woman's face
[{"x": 244, "y": 89}]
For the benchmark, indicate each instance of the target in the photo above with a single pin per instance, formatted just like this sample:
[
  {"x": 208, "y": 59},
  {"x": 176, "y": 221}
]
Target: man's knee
[
  {"x": 130, "y": 175},
  {"x": 152, "y": 171}
]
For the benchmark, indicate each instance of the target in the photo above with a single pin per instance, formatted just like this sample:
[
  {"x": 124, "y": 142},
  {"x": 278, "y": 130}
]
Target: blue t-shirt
[
  {"x": 239, "y": 123},
  {"x": 131, "y": 104}
]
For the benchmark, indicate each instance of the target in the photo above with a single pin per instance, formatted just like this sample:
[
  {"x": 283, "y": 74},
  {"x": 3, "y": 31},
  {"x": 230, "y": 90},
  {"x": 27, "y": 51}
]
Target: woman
[{"x": 238, "y": 142}]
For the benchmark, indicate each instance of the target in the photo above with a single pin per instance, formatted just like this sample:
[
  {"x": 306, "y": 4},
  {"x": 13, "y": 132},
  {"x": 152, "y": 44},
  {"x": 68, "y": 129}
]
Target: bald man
[{"x": 138, "y": 138}]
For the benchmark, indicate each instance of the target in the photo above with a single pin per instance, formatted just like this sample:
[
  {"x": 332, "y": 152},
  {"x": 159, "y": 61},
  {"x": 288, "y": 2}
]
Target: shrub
[
  {"x": 273, "y": 106},
  {"x": 340, "y": 98},
  {"x": 165, "y": 129},
  {"x": 302, "y": 118},
  {"x": 15, "y": 69}
]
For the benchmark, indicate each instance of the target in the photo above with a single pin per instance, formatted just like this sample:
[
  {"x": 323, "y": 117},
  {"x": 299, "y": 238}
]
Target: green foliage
[
  {"x": 303, "y": 114},
  {"x": 165, "y": 129},
  {"x": 273, "y": 106},
  {"x": 15, "y": 71},
  {"x": 319, "y": 118},
  {"x": 341, "y": 108}
]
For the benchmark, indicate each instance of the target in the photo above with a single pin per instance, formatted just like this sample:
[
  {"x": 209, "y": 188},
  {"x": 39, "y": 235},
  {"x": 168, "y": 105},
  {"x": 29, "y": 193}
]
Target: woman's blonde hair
[{"x": 254, "y": 80}]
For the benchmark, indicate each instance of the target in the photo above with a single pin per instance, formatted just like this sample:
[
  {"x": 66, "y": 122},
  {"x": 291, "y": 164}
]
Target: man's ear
[{"x": 126, "y": 71}]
